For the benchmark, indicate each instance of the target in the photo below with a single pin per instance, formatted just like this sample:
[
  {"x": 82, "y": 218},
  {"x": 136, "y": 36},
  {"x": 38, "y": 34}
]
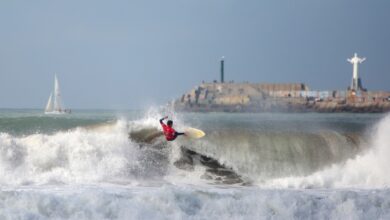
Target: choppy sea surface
[{"x": 89, "y": 165}]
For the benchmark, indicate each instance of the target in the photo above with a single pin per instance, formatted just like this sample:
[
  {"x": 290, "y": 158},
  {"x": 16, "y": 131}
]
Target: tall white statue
[{"x": 355, "y": 84}]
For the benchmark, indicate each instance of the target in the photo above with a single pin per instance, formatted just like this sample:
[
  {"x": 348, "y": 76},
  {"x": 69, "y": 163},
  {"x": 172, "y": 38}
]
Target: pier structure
[{"x": 282, "y": 97}]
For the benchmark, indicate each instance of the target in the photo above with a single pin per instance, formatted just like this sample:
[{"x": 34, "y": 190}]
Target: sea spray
[
  {"x": 73, "y": 156},
  {"x": 367, "y": 170}
]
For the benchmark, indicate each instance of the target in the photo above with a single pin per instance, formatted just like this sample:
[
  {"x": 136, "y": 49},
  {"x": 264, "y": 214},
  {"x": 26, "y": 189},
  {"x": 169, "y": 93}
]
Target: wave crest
[{"x": 366, "y": 170}]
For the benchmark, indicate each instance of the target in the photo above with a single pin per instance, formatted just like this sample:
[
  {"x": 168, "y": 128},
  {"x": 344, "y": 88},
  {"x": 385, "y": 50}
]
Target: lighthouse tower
[
  {"x": 356, "y": 83},
  {"x": 222, "y": 69}
]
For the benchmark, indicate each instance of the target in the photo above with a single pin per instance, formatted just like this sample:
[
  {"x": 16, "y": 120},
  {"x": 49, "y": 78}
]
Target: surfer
[{"x": 169, "y": 132}]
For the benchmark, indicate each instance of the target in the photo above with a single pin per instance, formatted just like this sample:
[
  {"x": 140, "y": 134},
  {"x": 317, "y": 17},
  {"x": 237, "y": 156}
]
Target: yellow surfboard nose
[{"x": 194, "y": 133}]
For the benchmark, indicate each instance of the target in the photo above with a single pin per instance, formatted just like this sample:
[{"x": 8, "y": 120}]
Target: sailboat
[{"x": 54, "y": 104}]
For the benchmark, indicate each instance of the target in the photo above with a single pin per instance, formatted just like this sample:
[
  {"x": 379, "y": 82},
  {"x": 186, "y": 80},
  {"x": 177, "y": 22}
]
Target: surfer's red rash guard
[{"x": 169, "y": 132}]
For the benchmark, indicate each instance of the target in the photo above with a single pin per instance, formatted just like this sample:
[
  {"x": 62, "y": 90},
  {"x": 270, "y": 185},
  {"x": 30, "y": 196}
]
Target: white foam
[
  {"x": 74, "y": 156},
  {"x": 368, "y": 170},
  {"x": 191, "y": 202},
  {"x": 94, "y": 154}
]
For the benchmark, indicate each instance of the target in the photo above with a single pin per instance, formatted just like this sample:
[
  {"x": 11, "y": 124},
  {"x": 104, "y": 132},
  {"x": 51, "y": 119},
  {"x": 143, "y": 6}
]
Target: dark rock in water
[
  {"x": 210, "y": 162},
  {"x": 221, "y": 171},
  {"x": 215, "y": 171}
]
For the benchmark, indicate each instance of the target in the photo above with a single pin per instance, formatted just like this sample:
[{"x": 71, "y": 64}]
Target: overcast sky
[{"x": 133, "y": 54}]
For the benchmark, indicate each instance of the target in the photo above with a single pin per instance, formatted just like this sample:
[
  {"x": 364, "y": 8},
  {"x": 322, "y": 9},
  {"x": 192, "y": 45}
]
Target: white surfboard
[{"x": 194, "y": 133}]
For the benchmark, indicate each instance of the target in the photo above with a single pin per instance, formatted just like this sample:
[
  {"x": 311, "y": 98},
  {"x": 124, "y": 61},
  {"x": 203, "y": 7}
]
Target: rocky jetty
[{"x": 294, "y": 97}]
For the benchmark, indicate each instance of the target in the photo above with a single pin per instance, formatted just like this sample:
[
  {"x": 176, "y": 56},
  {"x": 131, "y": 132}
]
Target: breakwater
[{"x": 290, "y": 97}]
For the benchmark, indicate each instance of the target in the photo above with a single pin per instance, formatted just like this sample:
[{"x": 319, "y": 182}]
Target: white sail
[
  {"x": 57, "y": 95},
  {"x": 54, "y": 104},
  {"x": 49, "y": 105}
]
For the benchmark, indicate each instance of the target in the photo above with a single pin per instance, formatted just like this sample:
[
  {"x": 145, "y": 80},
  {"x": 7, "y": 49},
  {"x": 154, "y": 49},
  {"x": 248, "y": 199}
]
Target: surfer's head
[{"x": 170, "y": 123}]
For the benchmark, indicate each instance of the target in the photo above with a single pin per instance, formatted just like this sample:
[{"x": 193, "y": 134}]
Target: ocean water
[{"x": 104, "y": 165}]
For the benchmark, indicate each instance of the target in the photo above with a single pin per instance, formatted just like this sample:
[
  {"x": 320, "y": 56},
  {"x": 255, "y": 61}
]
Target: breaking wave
[
  {"x": 366, "y": 170},
  {"x": 107, "y": 153},
  {"x": 125, "y": 170}
]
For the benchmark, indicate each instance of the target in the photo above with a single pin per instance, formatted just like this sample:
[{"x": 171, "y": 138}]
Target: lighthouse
[
  {"x": 222, "y": 69},
  {"x": 356, "y": 83}
]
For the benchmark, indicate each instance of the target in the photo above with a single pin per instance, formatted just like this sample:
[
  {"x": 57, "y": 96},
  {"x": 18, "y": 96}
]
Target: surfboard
[{"x": 194, "y": 133}]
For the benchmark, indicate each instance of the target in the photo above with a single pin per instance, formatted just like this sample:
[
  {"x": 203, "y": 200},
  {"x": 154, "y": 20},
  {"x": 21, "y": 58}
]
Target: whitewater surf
[{"x": 111, "y": 165}]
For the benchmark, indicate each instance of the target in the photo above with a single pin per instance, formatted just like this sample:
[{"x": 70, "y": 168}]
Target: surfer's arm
[{"x": 161, "y": 120}]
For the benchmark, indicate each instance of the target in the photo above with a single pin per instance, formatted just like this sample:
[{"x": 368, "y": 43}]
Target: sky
[{"x": 134, "y": 54}]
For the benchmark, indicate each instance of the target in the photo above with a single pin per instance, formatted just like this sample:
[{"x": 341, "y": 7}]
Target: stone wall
[{"x": 295, "y": 97}]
